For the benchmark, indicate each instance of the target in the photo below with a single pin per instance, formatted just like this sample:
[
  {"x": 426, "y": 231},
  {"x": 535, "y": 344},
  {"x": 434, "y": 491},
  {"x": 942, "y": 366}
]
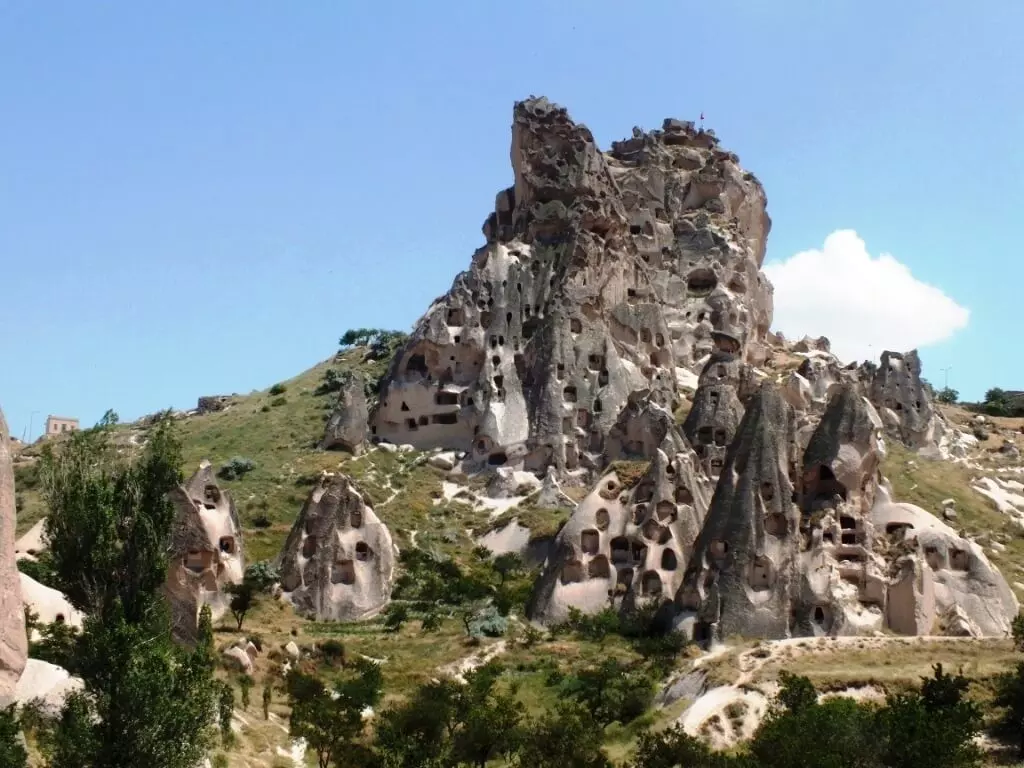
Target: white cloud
[{"x": 863, "y": 305}]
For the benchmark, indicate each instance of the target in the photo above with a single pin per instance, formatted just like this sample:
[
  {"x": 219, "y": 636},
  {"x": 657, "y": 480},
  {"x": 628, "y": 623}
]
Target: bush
[
  {"x": 262, "y": 575},
  {"x": 261, "y": 521},
  {"x": 236, "y": 468},
  {"x": 277, "y": 389},
  {"x": 332, "y": 651},
  {"x": 277, "y": 401}
]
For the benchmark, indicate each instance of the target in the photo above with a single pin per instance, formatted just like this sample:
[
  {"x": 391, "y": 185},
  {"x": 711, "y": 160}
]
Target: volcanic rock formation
[
  {"x": 338, "y": 562},
  {"x": 896, "y": 389},
  {"x": 346, "y": 427},
  {"x": 602, "y": 273},
  {"x": 13, "y": 641},
  {"x": 206, "y": 553},
  {"x": 623, "y": 545},
  {"x": 744, "y": 565}
]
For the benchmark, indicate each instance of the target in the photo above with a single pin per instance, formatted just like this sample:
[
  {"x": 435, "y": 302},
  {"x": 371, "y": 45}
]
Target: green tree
[
  {"x": 243, "y": 597},
  {"x": 1010, "y": 698},
  {"x": 611, "y": 691},
  {"x": 109, "y": 419},
  {"x": 947, "y": 395},
  {"x": 931, "y": 728},
  {"x": 12, "y": 752},
  {"x": 507, "y": 565},
  {"x": 110, "y": 520},
  {"x": 225, "y": 710},
  {"x": 245, "y": 684},
  {"x": 145, "y": 700},
  {"x": 268, "y": 696},
  {"x": 567, "y": 737},
  {"x": 800, "y": 733},
  {"x": 675, "y": 747},
  {"x": 331, "y": 722},
  {"x": 997, "y": 402}
]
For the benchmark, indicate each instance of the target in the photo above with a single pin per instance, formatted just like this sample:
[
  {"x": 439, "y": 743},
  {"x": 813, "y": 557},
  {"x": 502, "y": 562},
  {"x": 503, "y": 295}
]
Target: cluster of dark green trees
[
  {"x": 146, "y": 701},
  {"x": 481, "y": 722}
]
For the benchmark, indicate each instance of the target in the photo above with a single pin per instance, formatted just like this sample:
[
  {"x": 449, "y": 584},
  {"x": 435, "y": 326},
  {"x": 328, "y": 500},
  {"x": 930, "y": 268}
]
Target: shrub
[
  {"x": 236, "y": 468},
  {"x": 262, "y": 575},
  {"x": 332, "y": 652},
  {"x": 277, "y": 389},
  {"x": 277, "y": 401},
  {"x": 261, "y": 521}
]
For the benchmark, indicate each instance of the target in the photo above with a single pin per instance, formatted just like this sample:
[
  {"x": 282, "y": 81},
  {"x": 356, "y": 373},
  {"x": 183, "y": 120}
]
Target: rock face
[
  {"x": 945, "y": 583},
  {"x": 896, "y": 389},
  {"x": 346, "y": 428},
  {"x": 602, "y": 272},
  {"x": 716, "y": 412},
  {"x": 623, "y": 546},
  {"x": 338, "y": 562},
  {"x": 744, "y": 567},
  {"x": 13, "y": 641},
  {"x": 206, "y": 552}
]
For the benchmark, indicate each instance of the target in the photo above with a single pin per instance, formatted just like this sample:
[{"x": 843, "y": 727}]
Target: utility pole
[{"x": 31, "y": 420}]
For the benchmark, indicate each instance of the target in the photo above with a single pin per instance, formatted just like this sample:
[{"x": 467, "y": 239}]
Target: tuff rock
[
  {"x": 206, "y": 552},
  {"x": 623, "y": 546},
  {"x": 338, "y": 562},
  {"x": 346, "y": 427},
  {"x": 601, "y": 274},
  {"x": 13, "y": 641}
]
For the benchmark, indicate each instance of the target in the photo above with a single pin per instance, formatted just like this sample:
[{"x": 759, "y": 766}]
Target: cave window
[
  {"x": 620, "y": 549},
  {"x": 665, "y": 511},
  {"x": 846, "y": 522},
  {"x": 598, "y": 568},
  {"x": 819, "y": 615},
  {"x": 530, "y": 327},
  {"x": 363, "y": 551},
  {"x": 569, "y": 394},
  {"x": 411, "y": 424},
  {"x": 567, "y": 426},
  {"x": 639, "y": 551},
  {"x": 575, "y": 325},
  {"x": 596, "y": 362},
  {"x": 651, "y": 583},
  {"x": 404, "y": 407},
  {"x": 644, "y": 493},
  {"x": 639, "y": 511},
  {"x": 721, "y": 437},
  {"x": 416, "y": 364},
  {"x": 446, "y": 398},
  {"x": 590, "y": 541},
  {"x": 719, "y": 548},
  {"x": 761, "y": 573},
  {"x": 899, "y": 529},
  {"x": 508, "y": 318},
  {"x": 848, "y": 537},
  {"x": 494, "y": 342},
  {"x": 634, "y": 229},
  {"x": 583, "y": 417},
  {"x": 767, "y": 491},
  {"x": 195, "y": 561},
  {"x": 309, "y": 546},
  {"x": 458, "y": 339},
  {"x": 959, "y": 560},
  {"x": 499, "y": 382},
  {"x": 495, "y": 361},
  {"x": 597, "y": 405},
  {"x": 572, "y": 572},
  {"x": 701, "y": 281},
  {"x": 776, "y": 524},
  {"x": 720, "y": 371},
  {"x": 456, "y": 316},
  {"x": 355, "y": 518},
  {"x": 212, "y": 493},
  {"x": 603, "y": 519},
  {"x": 424, "y": 420},
  {"x": 497, "y": 459},
  {"x": 560, "y": 371},
  {"x": 343, "y": 572},
  {"x": 446, "y": 418},
  {"x": 683, "y": 495},
  {"x": 716, "y": 463},
  {"x": 669, "y": 562},
  {"x": 705, "y": 435},
  {"x": 602, "y": 378},
  {"x": 645, "y": 335}
]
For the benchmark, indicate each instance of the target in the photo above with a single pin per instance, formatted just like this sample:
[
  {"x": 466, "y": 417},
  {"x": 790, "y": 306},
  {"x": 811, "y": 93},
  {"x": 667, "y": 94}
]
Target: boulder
[
  {"x": 32, "y": 543},
  {"x": 13, "y": 640},
  {"x": 236, "y": 659},
  {"x": 338, "y": 562},
  {"x": 47, "y": 684},
  {"x": 292, "y": 649},
  {"x": 206, "y": 552},
  {"x": 346, "y": 427},
  {"x": 603, "y": 273},
  {"x": 49, "y": 604}
]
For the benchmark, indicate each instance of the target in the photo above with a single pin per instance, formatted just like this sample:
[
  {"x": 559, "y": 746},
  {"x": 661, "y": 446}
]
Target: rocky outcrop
[
  {"x": 13, "y": 641},
  {"x": 945, "y": 583},
  {"x": 896, "y": 389},
  {"x": 716, "y": 411},
  {"x": 625, "y": 545},
  {"x": 338, "y": 562},
  {"x": 346, "y": 427},
  {"x": 602, "y": 272},
  {"x": 641, "y": 429},
  {"x": 741, "y": 576},
  {"x": 206, "y": 552}
]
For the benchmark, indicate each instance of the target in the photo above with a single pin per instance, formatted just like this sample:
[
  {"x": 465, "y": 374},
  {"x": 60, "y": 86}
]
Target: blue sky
[{"x": 199, "y": 198}]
